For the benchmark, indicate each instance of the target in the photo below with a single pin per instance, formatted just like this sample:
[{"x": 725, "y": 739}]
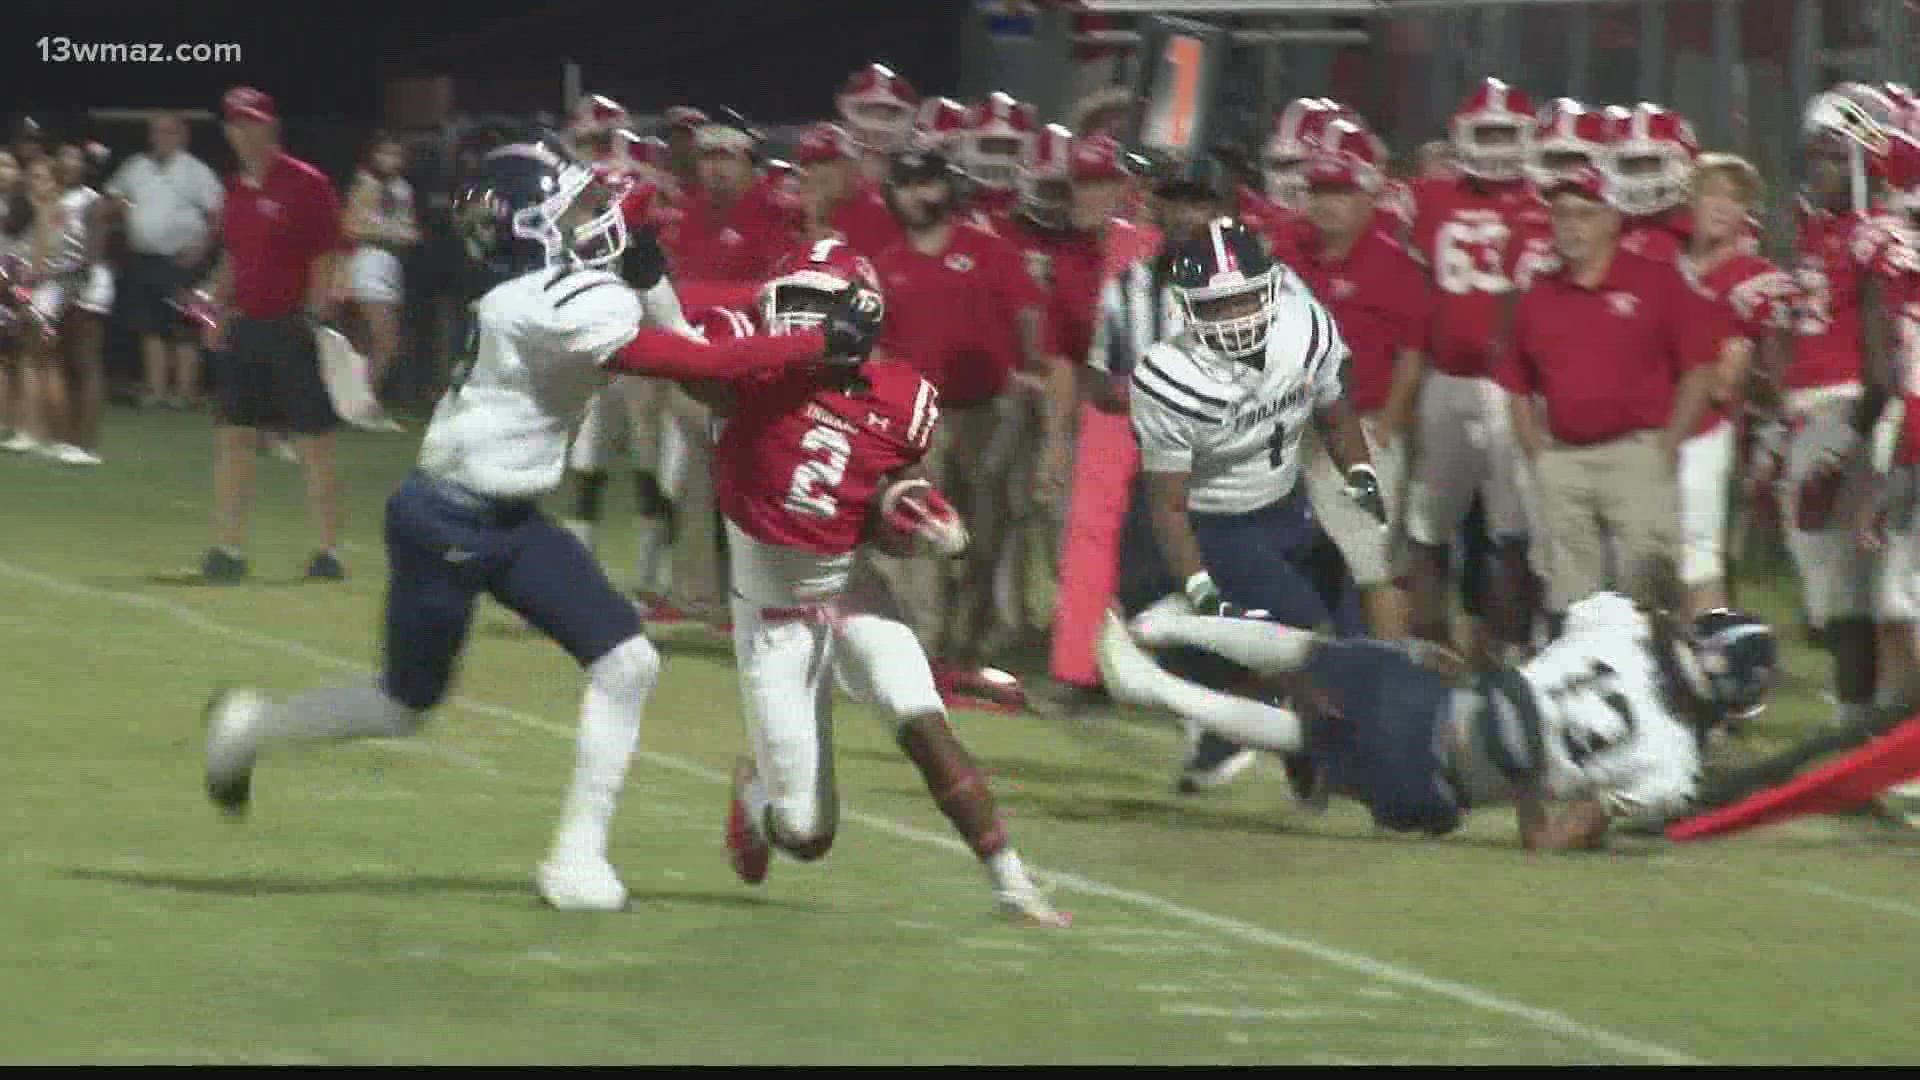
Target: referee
[{"x": 279, "y": 266}]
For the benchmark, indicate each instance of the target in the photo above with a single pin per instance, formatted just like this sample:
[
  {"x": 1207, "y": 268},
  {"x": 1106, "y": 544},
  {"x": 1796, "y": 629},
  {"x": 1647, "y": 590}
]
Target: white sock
[
  {"x": 1261, "y": 646},
  {"x": 617, "y": 688},
  {"x": 757, "y": 803},
  {"x": 1008, "y": 873},
  {"x": 339, "y": 712}
]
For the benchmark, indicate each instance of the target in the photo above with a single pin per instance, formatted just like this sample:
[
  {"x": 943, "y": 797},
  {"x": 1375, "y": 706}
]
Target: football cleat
[
  {"x": 232, "y": 745},
  {"x": 1026, "y": 906},
  {"x": 1212, "y": 762},
  {"x": 580, "y": 882},
  {"x": 747, "y": 849}
]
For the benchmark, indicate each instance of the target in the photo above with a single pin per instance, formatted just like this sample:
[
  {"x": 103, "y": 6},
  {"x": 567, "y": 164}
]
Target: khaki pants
[
  {"x": 1623, "y": 491},
  {"x": 971, "y": 460},
  {"x": 1361, "y": 540},
  {"x": 699, "y": 582}
]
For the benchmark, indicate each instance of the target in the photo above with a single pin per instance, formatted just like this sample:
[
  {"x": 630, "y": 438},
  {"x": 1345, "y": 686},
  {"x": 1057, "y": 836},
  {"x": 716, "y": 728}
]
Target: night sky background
[{"x": 778, "y": 61}]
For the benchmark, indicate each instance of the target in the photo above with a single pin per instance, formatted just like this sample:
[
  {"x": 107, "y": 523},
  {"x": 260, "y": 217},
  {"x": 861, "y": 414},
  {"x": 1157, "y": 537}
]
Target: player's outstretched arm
[{"x": 667, "y": 355}]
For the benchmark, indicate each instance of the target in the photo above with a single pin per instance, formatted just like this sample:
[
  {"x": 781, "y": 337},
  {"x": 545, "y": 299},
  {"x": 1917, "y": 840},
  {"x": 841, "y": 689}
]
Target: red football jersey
[
  {"x": 1065, "y": 266},
  {"x": 1753, "y": 296},
  {"x": 952, "y": 313},
  {"x": 798, "y": 465},
  {"x": 1837, "y": 254},
  {"x": 1472, "y": 236},
  {"x": 1382, "y": 303},
  {"x": 864, "y": 222}
]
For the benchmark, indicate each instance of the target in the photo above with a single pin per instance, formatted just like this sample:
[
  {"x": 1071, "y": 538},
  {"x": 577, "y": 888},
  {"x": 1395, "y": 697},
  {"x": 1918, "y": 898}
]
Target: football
[{"x": 911, "y": 517}]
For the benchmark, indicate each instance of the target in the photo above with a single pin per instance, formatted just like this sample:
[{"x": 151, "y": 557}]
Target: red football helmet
[
  {"x": 809, "y": 284},
  {"x": 1901, "y": 171},
  {"x": 1285, "y": 159},
  {"x": 998, "y": 139},
  {"x": 1855, "y": 122},
  {"x": 1046, "y": 177},
  {"x": 1651, "y": 158},
  {"x": 824, "y": 141},
  {"x": 941, "y": 124},
  {"x": 877, "y": 106},
  {"x": 645, "y": 150},
  {"x": 1568, "y": 136},
  {"x": 1493, "y": 131},
  {"x": 596, "y": 114},
  {"x": 1345, "y": 155}
]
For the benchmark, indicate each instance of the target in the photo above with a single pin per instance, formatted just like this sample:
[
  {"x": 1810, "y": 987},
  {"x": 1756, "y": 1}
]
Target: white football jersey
[
  {"x": 502, "y": 428},
  {"x": 1234, "y": 428},
  {"x": 1607, "y": 732}
]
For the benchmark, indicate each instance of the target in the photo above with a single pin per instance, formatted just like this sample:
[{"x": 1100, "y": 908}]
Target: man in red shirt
[
  {"x": 838, "y": 202},
  {"x": 962, "y": 308},
  {"x": 1618, "y": 349},
  {"x": 1381, "y": 301},
  {"x": 280, "y": 244},
  {"x": 733, "y": 226}
]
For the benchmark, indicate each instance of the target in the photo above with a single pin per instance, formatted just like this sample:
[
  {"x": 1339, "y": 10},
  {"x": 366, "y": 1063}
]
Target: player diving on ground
[{"x": 1610, "y": 722}]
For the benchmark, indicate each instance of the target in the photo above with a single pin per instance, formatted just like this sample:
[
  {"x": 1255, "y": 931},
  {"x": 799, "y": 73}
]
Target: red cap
[
  {"x": 246, "y": 103},
  {"x": 1097, "y": 157},
  {"x": 824, "y": 142},
  {"x": 1586, "y": 181}
]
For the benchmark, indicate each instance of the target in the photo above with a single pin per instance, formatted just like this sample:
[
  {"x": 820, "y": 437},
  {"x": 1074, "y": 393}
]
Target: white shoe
[
  {"x": 581, "y": 883},
  {"x": 232, "y": 744},
  {"x": 1027, "y": 906},
  {"x": 1130, "y": 674},
  {"x": 69, "y": 454},
  {"x": 21, "y": 443}
]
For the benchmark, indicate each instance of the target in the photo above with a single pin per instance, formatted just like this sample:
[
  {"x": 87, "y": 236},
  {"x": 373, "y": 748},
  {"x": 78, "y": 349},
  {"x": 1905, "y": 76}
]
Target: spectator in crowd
[
  {"x": 13, "y": 222},
  {"x": 280, "y": 262},
  {"x": 382, "y": 224},
  {"x": 86, "y": 220},
  {"x": 171, "y": 201},
  {"x": 1610, "y": 366},
  {"x": 47, "y": 274},
  {"x": 29, "y": 141}
]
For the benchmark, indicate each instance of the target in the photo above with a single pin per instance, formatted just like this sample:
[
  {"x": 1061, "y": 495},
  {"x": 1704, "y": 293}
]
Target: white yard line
[
  {"x": 1547, "y": 1020},
  {"x": 1814, "y": 888}
]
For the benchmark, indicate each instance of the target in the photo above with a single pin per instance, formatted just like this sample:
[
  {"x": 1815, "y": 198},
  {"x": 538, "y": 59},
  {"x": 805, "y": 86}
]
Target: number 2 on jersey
[{"x": 811, "y": 491}]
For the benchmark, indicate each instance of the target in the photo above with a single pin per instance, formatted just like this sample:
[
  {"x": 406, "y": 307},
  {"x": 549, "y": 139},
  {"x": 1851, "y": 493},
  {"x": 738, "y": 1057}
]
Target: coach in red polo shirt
[
  {"x": 839, "y": 203},
  {"x": 962, "y": 308},
  {"x": 1610, "y": 367},
  {"x": 1381, "y": 300},
  {"x": 280, "y": 238},
  {"x": 733, "y": 226}
]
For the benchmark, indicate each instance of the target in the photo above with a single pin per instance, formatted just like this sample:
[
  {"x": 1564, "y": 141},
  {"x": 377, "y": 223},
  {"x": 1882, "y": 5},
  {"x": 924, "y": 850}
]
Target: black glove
[
  {"x": 643, "y": 264},
  {"x": 852, "y": 326},
  {"x": 1363, "y": 487}
]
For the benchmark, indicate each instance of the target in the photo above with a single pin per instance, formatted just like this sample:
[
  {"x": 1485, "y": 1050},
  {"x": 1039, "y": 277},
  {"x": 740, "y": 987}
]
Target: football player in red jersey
[
  {"x": 800, "y": 464},
  {"x": 1757, "y": 299},
  {"x": 1853, "y": 268},
  {"x": 1472, "y": 232},
  {"x": 1651, "y": 159},
  {"x": 877, "y": 106},
  {"x": 994, "y": 147},
  {"x": 1381, "y": 301}
]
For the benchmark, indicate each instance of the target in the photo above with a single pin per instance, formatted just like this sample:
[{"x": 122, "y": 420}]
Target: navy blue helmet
[
  {"x": 530, "y": 206},
  {"x": 1228, "y": 287},
  {"x": 1738, "y": 660}
]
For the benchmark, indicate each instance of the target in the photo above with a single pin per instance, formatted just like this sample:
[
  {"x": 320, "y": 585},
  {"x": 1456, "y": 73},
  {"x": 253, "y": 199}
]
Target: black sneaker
[
  {"x": 325, "y": 566},
  {"x": 220, "y": 568},
  {"x": 1212, "y": 762}
]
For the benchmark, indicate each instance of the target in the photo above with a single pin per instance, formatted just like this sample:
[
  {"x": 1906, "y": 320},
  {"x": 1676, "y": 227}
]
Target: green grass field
[{"x": 378, "y": 907}]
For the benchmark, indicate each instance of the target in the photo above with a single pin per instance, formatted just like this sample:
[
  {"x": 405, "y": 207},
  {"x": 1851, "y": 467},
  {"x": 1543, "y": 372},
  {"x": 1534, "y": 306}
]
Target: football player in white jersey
[
  {"x": 554, "y": 326},
  {"x": 1220, "y": 411},
  {"x": 1610, "y": 723}
]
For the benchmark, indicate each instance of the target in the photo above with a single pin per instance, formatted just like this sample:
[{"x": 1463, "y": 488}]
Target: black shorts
[
  {"x": 146, "y": 285},
  {"x": 269, "y": 378}
]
